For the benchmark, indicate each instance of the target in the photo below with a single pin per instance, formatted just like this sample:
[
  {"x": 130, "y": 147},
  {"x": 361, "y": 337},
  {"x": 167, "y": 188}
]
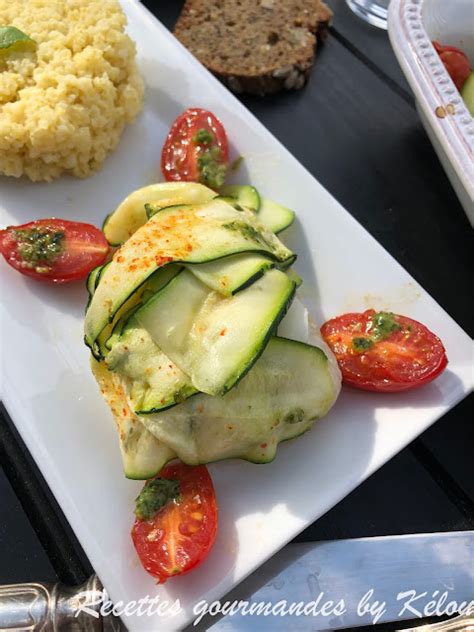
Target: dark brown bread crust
[{"x": 255, "y": 46}]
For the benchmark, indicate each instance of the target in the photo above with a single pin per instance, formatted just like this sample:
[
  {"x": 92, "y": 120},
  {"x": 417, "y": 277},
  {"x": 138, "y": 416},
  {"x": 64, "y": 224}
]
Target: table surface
[{"x": 380, "y": 165}]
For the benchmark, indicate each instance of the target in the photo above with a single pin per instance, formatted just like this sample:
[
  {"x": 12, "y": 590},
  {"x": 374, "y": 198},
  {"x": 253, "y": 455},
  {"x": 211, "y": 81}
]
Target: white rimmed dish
[
  {"x": 412, "y": 26},
  {"x": 59, "y": 412}
]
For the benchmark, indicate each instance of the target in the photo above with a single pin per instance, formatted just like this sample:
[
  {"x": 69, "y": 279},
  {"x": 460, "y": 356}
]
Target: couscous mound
[{"x": 64, "y": 105}]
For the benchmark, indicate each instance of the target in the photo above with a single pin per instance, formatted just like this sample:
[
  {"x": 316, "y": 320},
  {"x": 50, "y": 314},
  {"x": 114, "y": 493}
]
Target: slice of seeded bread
[{"x": 255, "y": 46}]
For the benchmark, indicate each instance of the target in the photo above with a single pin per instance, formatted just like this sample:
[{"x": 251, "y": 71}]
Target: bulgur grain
[{"x": 63, "y": 107}]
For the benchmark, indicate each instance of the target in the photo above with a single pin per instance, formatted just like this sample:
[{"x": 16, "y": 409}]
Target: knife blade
[
  {"x": 350, "y": 583},
  {"x": 311, "y": 586}
]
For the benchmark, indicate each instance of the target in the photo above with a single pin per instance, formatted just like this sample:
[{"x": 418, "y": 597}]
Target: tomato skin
[
  {"x": 456, "y": 63},
  {"x": 179, "y": 537},
  {"x": 180, "y": 154},
  {"x": 83, "y": 248},
  {"x": 407, "y": 358}
]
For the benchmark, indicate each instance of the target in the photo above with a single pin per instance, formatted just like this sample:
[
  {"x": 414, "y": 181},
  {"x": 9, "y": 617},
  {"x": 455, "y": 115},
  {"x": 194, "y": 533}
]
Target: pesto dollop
[
  {"x": 383, "y": 324},
  {"x": 362, "y": 344},
  {"x": 212, "y": 171},
  {"x": 203, "y": 137},
  {"x": 39, "y": 247},
  {"x": 154, "y": 496}
]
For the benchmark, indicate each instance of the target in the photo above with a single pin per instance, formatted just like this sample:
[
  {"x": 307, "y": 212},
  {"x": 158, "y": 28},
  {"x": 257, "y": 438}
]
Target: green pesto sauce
[
  {"x": 212, "y": 172},
  {"x": 362, "y": 344},
  {"x": 249, "y": 232},
  {"x": 39, "y": 247},
  {"x": 294, "y": 416},
  {"x": 235, "y": 165},
  {"x": 203, "y": 137},
  {"x": 154, "y": 496},
  {"x": 383, "y": 324},
  {"x": 181, "y": 394}
]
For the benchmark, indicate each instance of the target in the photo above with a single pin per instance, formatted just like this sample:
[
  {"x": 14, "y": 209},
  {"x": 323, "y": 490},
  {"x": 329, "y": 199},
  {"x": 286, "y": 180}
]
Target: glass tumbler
[{"x": 372, "y": 11}]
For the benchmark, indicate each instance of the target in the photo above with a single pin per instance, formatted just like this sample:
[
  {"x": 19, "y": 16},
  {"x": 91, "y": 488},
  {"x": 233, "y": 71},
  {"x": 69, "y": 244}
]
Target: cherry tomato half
[
  {"x": 54, "y": 250},
  {"x": 196, "y": 149},
  {"x": 456, "y": 63},
  {"x": 180, "y": 535},
  {"x": 384, "y": 352}
]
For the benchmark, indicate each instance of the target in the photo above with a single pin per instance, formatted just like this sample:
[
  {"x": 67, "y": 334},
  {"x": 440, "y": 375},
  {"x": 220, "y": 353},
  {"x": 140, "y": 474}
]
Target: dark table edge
[{"x": 44, "y": 513}]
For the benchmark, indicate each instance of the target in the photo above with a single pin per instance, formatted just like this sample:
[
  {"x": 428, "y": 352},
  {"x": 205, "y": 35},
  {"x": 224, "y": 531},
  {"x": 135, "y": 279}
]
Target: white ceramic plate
[{"x": 56, "y": 406}]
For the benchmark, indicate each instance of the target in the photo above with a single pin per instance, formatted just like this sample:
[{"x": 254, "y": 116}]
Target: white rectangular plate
[{"x": 54, "y": 401}]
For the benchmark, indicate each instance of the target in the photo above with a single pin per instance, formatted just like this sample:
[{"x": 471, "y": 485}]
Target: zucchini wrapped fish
[{"x": 191, "y": 346}]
